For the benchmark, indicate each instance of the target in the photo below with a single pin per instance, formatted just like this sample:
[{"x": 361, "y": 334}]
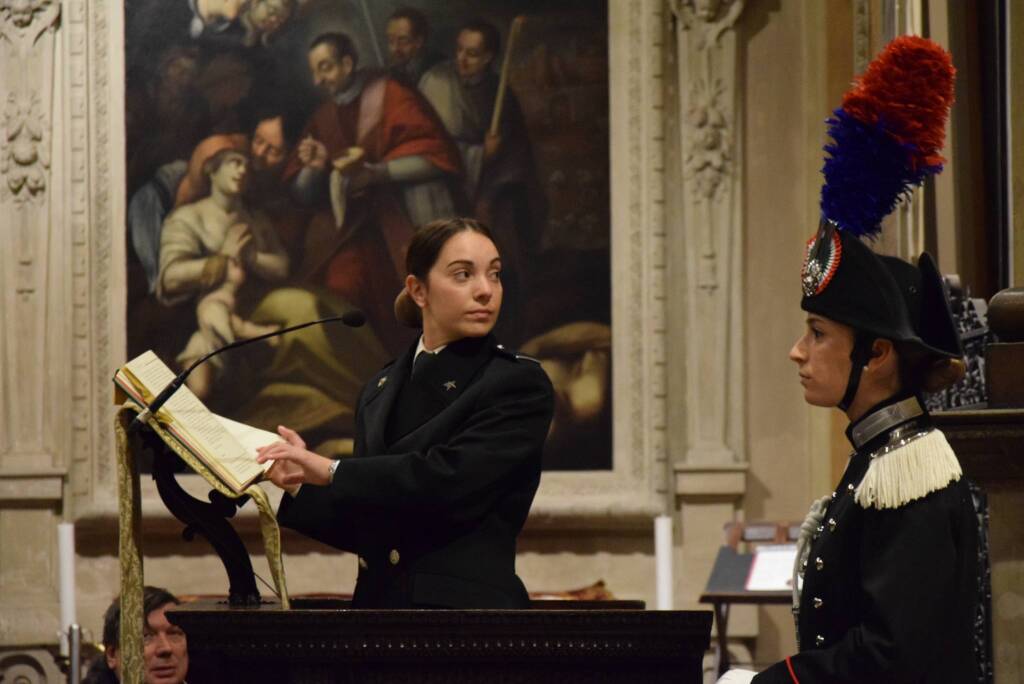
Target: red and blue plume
[{"x": 887, "y": 135}]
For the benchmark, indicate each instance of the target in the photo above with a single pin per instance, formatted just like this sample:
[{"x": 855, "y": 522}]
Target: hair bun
[
  {"x": 406, "y": 311},
  {"x": 943, "y": 373}
]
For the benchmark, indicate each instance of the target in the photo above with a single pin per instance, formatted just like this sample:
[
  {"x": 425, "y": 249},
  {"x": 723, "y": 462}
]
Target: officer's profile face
[
  {"x": 822, "y": 355},
  {"x": 462, "y": 293}
]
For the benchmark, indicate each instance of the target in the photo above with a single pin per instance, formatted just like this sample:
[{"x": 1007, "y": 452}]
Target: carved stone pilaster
[
  {"x": 32, "y": 380},
  {"x": 27, "y": 30},
  {"x": 712, "y": 222}
]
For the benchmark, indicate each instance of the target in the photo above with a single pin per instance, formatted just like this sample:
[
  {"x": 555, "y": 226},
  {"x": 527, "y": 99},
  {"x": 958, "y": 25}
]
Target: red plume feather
[{"x": 908, "y": 90}]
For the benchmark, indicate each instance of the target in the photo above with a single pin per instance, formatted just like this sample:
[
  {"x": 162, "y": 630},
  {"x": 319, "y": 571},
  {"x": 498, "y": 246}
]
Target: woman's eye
[
  {"x": 461, "y": 275},
  {"x": 817, "y": 333},
  {"x": 495, "y": 275}
]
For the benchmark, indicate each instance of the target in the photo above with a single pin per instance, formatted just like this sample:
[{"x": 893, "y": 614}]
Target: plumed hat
[{"x": 886, "y": 139}]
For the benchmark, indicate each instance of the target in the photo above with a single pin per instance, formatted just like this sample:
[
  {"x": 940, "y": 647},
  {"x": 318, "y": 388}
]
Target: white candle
[
  {"x": 66, "y": 559},
  {"x": 663, "y": 559}
]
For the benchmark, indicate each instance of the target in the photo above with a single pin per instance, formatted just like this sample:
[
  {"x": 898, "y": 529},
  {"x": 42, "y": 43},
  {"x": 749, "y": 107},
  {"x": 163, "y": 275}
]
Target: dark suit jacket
[
  {"x": 889, "y": 595},
  {"x": 445, "y": 469}
]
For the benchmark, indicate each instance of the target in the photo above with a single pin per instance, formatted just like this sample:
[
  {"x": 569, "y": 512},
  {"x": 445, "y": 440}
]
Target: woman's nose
[
  {"x": 796, "y": 352},
  {"x": 484, "y": 289}
]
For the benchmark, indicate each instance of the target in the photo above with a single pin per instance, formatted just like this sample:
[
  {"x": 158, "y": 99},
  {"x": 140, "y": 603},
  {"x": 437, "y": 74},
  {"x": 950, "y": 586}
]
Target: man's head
[
  {"x": 177, "y": 70},
  {"x": 332, "y": 59},
  {"x": 268, "y": 148},
  {"x": 475, "y": 48},
  {"x": 267, "y": 16},
  {"x": 218, "y": 12},
  {"x": 407, "y": 34},
  {"x": 165, "y": 653}
]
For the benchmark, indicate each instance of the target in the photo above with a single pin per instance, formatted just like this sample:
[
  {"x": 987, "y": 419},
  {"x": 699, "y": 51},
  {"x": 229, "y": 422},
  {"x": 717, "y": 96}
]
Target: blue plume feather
[{"x": 866, "y": 171}]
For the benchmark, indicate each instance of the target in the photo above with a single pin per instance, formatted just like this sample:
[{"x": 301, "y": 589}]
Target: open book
[{"x": 226, "y": 447}]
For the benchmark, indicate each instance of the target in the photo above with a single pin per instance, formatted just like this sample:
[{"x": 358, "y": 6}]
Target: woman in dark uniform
[
  {"x": 447, "y": 448},
  {"x": 888, "y": 561}
]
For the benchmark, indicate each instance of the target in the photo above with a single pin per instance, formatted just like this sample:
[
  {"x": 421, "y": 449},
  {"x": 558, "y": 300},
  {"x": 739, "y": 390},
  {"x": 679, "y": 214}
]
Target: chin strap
[{"x": 859, "y": 357}]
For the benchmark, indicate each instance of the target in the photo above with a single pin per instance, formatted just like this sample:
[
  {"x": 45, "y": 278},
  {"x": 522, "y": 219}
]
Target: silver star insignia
[
  {"x": 450, "y": 385},
  {"x": 380, "y": 383}
]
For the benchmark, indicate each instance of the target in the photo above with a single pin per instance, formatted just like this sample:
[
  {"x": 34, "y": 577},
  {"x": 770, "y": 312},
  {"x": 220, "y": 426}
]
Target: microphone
[{"x": 354, "y": 319}]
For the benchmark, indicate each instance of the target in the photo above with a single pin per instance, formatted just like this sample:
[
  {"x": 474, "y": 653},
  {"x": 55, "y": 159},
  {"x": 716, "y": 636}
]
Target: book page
[
  {"x": 772, "y": 568},
  {"x": 219, "y": 449},
  {"x": 249, "y": 437}
]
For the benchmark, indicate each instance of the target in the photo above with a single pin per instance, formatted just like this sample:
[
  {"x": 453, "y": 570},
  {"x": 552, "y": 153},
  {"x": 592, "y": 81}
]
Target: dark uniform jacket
[
  {"x": 445, "y": 468},
  {"x": 889, "y": 594}
]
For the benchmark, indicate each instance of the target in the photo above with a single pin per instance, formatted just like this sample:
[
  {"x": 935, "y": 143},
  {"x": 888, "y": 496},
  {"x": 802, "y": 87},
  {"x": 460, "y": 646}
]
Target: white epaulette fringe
[{"x": 898, "y": 475}]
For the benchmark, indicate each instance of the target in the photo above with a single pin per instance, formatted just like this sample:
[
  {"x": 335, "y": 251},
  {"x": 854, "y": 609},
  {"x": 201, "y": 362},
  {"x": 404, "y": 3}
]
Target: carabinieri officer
[
  {"x": 448, "y": 445},
  {"x": 889, "y": 560}
]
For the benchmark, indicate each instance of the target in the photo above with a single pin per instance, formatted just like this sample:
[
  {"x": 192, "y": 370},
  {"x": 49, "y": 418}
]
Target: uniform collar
[
  {"x": 874, "y": 427},
  {"x": 431, "y": 391},
  {"x": 422, "y": 349}
]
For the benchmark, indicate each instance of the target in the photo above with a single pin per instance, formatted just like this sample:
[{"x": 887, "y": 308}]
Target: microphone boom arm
[{"x": 353, "y": 318}]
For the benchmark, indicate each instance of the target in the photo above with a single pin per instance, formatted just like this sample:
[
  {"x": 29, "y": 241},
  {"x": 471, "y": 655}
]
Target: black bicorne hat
[{"x": 882, "y": 296}]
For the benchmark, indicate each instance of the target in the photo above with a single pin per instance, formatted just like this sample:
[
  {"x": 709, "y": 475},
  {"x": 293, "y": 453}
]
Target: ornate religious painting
[{"x": 281, "y": 154}]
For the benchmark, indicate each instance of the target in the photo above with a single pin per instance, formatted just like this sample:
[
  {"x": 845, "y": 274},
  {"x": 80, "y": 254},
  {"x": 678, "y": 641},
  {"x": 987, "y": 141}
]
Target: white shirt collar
[{"x": 421, "y": 348}]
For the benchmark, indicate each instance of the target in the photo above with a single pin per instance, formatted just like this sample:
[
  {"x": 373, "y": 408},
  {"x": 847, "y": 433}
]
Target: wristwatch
[{"x": 330, "y": 470}]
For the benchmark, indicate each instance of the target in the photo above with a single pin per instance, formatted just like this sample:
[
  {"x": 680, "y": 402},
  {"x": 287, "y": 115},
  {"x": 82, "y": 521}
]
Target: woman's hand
[{"x": 294, "y": 465}]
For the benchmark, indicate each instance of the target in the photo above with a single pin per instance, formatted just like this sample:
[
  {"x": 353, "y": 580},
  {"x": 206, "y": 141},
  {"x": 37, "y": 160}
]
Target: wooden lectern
[
  {"x": 246, "y": 640},
  {"x": 554, "y": 641}
]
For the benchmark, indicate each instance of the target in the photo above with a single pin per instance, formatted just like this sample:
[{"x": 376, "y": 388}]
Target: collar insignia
[
  {"x": 380, "y": 383},
  {"x": 450, "y": 385}
]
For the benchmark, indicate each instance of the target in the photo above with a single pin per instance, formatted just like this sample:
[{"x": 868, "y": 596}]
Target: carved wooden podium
[{"x": 555, "y": 641}]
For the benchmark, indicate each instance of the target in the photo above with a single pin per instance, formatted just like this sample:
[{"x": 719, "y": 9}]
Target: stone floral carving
[
  {"x": 707, "y": 117},
  {"x": 25, "y": 160},
  {"x": 706, "y": 158},
  {"x": 21, "y": 13}
]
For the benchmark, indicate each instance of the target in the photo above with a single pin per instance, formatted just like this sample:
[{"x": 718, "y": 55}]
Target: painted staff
[
  {"x": 373, "y": 34},
  {"x": 499, "y": 100}
]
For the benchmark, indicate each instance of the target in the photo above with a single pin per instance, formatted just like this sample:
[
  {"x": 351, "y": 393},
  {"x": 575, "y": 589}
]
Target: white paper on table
[{"x": 772, "y": 568}]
